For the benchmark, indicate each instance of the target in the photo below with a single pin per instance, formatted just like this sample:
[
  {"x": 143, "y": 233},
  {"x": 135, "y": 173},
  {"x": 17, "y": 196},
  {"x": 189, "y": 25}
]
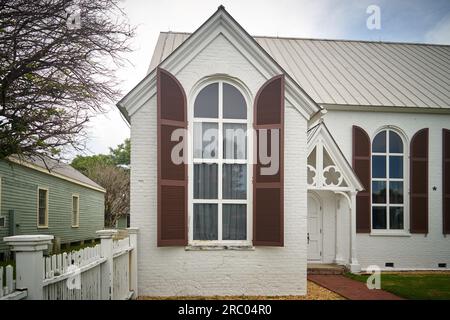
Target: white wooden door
[{"x": 314, "y": 236}]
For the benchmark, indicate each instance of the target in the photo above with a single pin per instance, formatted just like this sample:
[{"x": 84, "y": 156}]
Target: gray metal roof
[
  {"x": 347, "y": 72},
  {"x": 60, "y": 168}
]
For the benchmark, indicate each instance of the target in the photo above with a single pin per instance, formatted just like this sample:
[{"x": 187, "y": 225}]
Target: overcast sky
[{"x": 401, "y": 20}]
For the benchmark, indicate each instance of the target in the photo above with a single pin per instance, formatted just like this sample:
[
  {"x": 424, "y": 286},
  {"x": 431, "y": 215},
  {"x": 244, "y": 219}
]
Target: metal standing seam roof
[
  {"x": 60, "y": 168},
  {"x": 349, "y": 72}
]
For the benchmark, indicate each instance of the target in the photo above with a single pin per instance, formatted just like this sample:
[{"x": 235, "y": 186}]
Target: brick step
[{"x": 326, "y": 270}]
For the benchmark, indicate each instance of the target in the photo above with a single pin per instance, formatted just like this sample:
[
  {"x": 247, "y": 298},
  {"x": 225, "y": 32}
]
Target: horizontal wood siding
[{"x": 19, "y": 193}]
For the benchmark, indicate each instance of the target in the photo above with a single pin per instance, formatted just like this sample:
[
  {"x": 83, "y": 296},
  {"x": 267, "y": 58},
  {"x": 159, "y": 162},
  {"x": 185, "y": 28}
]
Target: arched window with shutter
[
  {"x": 419, "y": 182},
  {"x": 446, "y": 181},
  {"x": 361, "y": 165},
  {"x": 268, "y": 186},
  {"x": 172, "y": 173},
  {"x": 220, "y": 197},
  {"x": 389, "y": 200}
]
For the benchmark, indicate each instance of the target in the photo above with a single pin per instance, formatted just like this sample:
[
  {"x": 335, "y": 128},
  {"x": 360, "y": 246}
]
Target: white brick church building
[{"x": 345, "y": 159}]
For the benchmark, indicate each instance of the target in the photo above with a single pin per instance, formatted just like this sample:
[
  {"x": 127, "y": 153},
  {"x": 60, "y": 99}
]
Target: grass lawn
[{"x": 414, "y": 285}]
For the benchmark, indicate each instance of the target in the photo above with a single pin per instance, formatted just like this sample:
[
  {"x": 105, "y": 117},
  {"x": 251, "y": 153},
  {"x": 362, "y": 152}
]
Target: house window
[
  {"x": 388, "y": 181},
  {"x": 2, "y": 219},
  {"x": 75, "y": 210},
  {"x": 0, "y": 195},
  {"x": 220, "y": 170},
  {"x": 42, "y": 210}
]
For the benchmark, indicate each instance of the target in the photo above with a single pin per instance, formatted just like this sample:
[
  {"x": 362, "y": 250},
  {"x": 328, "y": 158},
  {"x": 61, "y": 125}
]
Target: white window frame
[
  {"x": 220, "y": 161},
  {"x": 78, "y": 211},
  {"x": 46, "y": 208},
  {"x": 405, "y": 205}
]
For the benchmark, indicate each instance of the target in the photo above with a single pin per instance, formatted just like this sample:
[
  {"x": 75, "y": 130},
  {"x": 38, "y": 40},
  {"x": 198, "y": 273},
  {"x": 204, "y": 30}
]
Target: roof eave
[
  {"x": 54, "y": 174},
  {"x": 146, "y": 88}
]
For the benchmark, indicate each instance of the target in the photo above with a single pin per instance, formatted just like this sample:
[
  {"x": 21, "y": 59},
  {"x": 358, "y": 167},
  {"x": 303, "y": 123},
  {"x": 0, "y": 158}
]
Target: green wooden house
[{"x": 47, "y": 197}]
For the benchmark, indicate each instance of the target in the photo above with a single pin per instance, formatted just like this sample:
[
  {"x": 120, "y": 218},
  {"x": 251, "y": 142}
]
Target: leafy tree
[
  {"x": 109, "y": 171},
  {"x": 84, "y": 163},
  {"x": 57, "y": 63},
  {"x": 121, "y": 154}
]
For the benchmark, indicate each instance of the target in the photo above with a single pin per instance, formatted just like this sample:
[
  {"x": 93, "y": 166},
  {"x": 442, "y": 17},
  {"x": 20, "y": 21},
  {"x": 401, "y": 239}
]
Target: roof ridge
[{"x": 324, "y": 39}]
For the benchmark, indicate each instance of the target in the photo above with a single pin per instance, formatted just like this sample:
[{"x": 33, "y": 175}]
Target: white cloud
[
  {"x": 283, "y": 18},
  {"x": 296, "y": 18},
  {"x": 440, "y": 33},
  {"x": 106, "y": 130}
]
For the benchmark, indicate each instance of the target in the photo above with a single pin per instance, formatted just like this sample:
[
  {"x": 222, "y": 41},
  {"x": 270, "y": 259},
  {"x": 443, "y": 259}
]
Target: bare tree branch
[{"x": 54, "y": 75}]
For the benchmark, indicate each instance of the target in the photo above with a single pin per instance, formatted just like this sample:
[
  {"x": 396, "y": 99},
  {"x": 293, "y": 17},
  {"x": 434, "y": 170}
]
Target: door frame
[{"x": 318, "y": 200}]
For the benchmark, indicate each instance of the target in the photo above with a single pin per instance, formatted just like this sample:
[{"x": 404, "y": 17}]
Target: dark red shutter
[
  {"x": 419, "y": 182},
  {"x": 172, "y": 177},
  {"x": 361, "y": 166},
  {"x": 268, "y": 197},
  {"x": 446, "y": 180}
]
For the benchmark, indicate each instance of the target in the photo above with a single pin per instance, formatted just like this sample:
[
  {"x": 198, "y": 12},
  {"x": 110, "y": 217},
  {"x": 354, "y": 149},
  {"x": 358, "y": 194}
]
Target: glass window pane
[
  {"x": 234, "y": 184},
  {"x": 378, "y": 217},
  {"x": 396, "y": 192},
  {"x": 42, "y": 198},
  {"x": 205, "y": 140},
  {"x": 205, "y": 181},
  {"x": 379, "y": 143},
  {"x": 378, "y": 167},
  {"x": 234, "y": 106},
  {"x": 207, "y": 102},
  {"x": 205, "y": 222},
  {"x": 395, "y": 143},
  {"x": 396, "y": 218},
  {"x": 42, "y": 205},
  {"x": 74, "y": 210},
  {"x": 234, "y": 141},
  {"x": 395, "y": 167},
  {"x": 41, "y": 217},
  {"x": 234, "y": 222},
  {"x": 75, "y": 203},
  {"x": 378, "y": 192}
]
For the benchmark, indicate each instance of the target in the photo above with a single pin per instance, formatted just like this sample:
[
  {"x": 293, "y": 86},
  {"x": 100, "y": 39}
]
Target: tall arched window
[
  {"x": 388, "y": 181},
  {"x": 219, "y": 209}
]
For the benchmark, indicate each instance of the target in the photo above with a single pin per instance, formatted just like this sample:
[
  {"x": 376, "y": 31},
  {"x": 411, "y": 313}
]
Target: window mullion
[
  {"x": 220, "y": 161},
  {"x": 387, "y": 181}
]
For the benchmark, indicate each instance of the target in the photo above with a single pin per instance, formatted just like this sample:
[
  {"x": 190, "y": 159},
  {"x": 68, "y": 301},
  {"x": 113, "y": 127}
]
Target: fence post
[
  {"x": 29, "y": 262},
  {"x": 132, "y": 233},
  {"x": 107, "y": 268}
]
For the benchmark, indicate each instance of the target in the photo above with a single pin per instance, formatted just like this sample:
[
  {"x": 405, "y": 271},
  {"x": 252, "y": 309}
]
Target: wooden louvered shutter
[
  {"x": 361, "y": 165},
  {"x": 172, "y": 177},
  {"x": 419, "y": 182},
  {"x": 446, "y": 180},
  {"x": 268, "y": 190}
]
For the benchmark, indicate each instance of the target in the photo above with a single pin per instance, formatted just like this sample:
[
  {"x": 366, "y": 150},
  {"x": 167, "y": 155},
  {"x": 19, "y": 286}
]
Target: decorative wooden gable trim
[
  {"x": 328, "y": 169},
  {"x": 221, "y": 22}
]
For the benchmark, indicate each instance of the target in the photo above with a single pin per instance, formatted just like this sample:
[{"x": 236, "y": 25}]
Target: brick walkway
[{"x": 351, "y": 289}]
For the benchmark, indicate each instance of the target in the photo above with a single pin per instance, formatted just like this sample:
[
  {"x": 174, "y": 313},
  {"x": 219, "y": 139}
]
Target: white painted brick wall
[
  {"x": 415, "y": 251},
  {"x": 172, "y": 271}
]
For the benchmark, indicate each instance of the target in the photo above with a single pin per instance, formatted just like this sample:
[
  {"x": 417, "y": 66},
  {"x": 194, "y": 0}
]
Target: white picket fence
[
  {"x": 8, "y": 285},
  {"x": 105, "y": 271}
]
